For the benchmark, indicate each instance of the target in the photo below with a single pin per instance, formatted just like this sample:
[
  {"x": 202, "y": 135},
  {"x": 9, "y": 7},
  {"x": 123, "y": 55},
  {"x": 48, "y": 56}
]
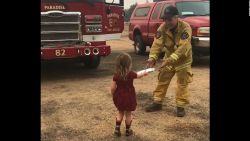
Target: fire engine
[{"x": 80, "y": 29}]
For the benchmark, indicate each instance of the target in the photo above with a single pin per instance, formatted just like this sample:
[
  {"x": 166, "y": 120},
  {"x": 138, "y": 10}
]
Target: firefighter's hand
[
  {"x": 161, "y": 66},
  {"x": 166, "y": 62},
  {"x": 150, "y": 63}
]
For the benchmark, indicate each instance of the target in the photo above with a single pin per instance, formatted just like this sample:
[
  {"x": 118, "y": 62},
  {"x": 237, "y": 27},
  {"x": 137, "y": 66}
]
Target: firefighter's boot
[
  {"x": 154, "y": 107},
  {"x": 180, "y": 112}
]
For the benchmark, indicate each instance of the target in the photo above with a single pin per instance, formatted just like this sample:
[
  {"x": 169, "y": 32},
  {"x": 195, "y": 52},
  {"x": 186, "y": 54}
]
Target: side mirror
[{"x": 124, "y": 13}]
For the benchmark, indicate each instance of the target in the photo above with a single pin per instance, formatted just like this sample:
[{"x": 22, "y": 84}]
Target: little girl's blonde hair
[{"x": 123, "y": 65}]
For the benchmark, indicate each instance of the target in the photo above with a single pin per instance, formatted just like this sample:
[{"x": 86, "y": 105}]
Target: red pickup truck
[{"x": 146, "y": 18}]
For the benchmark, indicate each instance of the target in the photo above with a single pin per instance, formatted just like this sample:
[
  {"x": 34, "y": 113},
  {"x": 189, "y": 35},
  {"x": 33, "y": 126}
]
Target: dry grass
[{"x": 77, "y": 105}]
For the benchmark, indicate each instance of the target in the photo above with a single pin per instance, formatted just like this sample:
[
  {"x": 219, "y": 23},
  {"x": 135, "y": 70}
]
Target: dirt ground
[{"x": 76, "y": 104}]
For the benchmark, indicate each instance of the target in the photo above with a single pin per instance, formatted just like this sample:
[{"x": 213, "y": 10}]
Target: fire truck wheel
[
  {"x": 139, "y": 47},
  {"x": 92, "y": 61}
]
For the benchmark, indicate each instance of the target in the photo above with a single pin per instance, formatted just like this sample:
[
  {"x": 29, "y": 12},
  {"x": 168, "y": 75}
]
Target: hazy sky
[{"x": 127, "y": 3}]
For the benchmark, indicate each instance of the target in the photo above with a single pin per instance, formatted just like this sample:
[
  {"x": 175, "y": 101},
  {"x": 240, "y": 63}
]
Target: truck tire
[
  {"x": 92, "y": 61},
  {"x": 139, "y": 46}
]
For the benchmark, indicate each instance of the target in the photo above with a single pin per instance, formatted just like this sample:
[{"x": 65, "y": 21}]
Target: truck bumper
[
  {"x": 49, "y": 53},
  {"x": 201, "y": 45}
]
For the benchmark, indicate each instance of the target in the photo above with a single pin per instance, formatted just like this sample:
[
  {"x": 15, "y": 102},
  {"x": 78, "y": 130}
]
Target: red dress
[{"x": 124, "y": 97}]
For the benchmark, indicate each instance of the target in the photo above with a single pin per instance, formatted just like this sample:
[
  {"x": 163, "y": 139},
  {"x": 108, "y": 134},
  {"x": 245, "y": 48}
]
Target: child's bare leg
[
  {"x": 120, "y": 115},
  {"x": 128, "y": 116},
  {"x": 119, "y": 118},
  {"x": 128, "y": 121}
]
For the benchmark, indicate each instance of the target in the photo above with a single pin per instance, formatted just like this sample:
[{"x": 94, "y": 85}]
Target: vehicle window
[
  {"x": 142, "y": 12},
  {"x": 198, "y": 8},
  {"x": 156, "y": 11}
]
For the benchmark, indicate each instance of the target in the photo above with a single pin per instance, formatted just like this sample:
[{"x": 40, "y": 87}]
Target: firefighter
[{"x": 175, "y": 35}]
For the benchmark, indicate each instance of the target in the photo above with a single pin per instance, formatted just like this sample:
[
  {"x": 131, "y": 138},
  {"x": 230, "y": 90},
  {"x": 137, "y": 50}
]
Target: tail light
[
  {"x": 194, "y": 31},
  {"x": 203, "y": 31}
]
